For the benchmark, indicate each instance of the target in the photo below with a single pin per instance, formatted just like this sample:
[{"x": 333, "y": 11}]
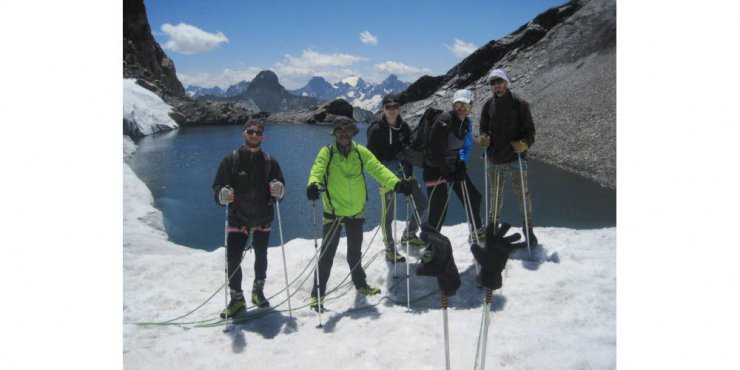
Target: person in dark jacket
[
  {"x": 450, "y": 141},
  {"x": 507, "y": 132},
  {"x": 247, "y": 180},
  {"x": 386, "y": 138}
]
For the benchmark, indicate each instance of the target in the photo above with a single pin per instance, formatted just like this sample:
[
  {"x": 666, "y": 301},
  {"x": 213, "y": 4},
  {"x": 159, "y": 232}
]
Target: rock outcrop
[{"x": 324, "y": 113}]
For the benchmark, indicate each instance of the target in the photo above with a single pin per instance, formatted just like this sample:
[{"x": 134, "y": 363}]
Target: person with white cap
[
  {"x": 450, "y": 142},
  {"x": 507, "y": 132}
]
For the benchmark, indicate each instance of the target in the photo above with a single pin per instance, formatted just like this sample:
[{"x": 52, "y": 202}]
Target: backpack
[{"x": 420, "y": 137}]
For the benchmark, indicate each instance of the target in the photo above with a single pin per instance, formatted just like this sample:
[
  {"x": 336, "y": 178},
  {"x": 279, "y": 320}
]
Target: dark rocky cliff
[{"x": 143, "y": 58}]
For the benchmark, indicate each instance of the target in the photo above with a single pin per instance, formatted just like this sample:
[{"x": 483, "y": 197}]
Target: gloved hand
[
  {"x": 493, "y": 258},
  {"x": 404, "y": 187},
  {"x": 277, "y": 189},
  {"x": 437, "y": 260},
  {"x": 485, "y": 141},
  {"x": 461, "y": 170},
  {"x": 312, "y": 192},
  {"x": 519, "y": 146},
  {"x": 225, "y": 195}
]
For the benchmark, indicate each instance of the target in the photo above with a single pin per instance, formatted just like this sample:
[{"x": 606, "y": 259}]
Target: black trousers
[
  {"x": 438, "y": 197},
  {"x": 329, "y": 245},
  {"x": 235, "y": 244}
]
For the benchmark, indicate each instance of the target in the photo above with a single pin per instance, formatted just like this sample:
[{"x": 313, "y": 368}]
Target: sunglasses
[
  {"x": 496, "y": 81},
  {"x": 253, "y": 132},
  {"x": 392, "y": 106},
  {"x": 459, "y": 105}
]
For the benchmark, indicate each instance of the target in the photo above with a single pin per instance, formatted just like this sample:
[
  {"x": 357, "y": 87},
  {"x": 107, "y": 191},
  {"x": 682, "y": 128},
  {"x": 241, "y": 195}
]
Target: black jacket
[
  {"x": 385, "y": 142},
  {"x": 446, "y": 139},
  {"x": 505, "y": 120},
  {"x": 252, "y": 206}
]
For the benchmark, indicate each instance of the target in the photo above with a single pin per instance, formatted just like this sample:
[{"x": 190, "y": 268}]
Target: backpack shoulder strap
[
  {"x": 268, "y": 165},
  {"x": 235, "y": 162}
]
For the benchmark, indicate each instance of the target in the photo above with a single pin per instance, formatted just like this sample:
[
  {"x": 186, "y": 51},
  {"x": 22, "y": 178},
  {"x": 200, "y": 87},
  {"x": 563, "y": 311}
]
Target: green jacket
[{"x": 346, "y": 193}]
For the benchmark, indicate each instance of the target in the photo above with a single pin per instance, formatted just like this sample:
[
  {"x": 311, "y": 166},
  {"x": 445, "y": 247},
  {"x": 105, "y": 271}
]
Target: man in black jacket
[
  {"x": 246, "y": 181},
  {"x": 445, "y": 162},
  {"x": 507, "y": 131},
  {"x": 386, "y": 138}
]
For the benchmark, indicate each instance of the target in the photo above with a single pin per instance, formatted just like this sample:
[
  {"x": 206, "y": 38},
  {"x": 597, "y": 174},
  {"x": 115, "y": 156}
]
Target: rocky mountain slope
[
  {"x": 269, "y": 95},
  {"x": 564, "y": 63}
]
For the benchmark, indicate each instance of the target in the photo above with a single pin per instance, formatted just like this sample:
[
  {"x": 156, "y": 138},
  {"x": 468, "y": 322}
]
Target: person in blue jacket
[{"x": 445, "y": 161}]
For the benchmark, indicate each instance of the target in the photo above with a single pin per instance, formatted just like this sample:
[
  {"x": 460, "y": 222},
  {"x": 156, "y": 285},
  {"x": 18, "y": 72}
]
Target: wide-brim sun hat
[{"x": 341, "y": 123}]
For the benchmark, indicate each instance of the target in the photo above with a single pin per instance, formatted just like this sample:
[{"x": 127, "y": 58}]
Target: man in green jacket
[{"x": 339, "y": 171}]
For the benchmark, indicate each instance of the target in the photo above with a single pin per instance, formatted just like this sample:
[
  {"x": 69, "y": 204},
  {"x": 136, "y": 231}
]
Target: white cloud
[
  {"x": 224, "y": 79},
  {"x": 368, "y": 39},
  {"x": 461, "y": 49},
  {"x": 187, "y": 39},
  {"x": 294, "y": 72}
]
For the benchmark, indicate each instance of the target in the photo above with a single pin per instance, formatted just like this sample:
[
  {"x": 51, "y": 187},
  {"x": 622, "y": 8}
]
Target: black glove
[
  {"x": 312, "y": 192},
  {"x": 460, "y": 171},
  {"x": 437, "y": 260},
  {"x": 404, "y": 187},
  {"x": 493, "y": 258}
]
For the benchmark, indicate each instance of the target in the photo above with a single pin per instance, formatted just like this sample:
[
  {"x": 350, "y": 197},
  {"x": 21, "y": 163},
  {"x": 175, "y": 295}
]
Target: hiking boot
[
  {"x": 392, "y": 256},
  {"x": 481, "y": 235},
  {"x": 315, "y": 304},
  {"x": 367, "y": 290},
  {"x": 258, "y": 297},
  {"x": 532, "y": 238},
  {"x": 236, "y": 305},
  {"x": 412, "y": 239}
]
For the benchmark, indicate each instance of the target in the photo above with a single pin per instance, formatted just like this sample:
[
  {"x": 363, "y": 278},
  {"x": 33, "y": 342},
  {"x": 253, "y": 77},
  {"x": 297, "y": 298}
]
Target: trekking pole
[
  {"x": 282, "y": 248},
  {"x": 408, "y": 276},
  {"x": 226, "y": 266},
  {"x": 411, "y": 198},
  {"x": 485, "y": 183},
  {"x": 524, "y": 203},
  {"x": 470, "y": 218},
  {"x": 395, "y": 235},
  {"x": 486, "y": 320},
  {"x": 446, "y": 330},
  {"x": 318, "y": 255}
]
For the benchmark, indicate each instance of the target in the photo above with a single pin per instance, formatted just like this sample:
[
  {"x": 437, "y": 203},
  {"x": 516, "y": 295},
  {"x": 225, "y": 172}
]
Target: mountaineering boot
[
  {"x": 367, "y": 290},
  {"x": 412, "y": 239},
  {"x": 236, "y": 305},
  {"x": 258, "y": 298},
  {"x": 391, "y": 254},
  {"x": 315, "y": 304},
  {"x": 532, "y": 239}
]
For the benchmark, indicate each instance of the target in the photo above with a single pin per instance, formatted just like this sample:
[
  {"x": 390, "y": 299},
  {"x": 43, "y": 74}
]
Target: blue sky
[{"x": 223, "y": 42}]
